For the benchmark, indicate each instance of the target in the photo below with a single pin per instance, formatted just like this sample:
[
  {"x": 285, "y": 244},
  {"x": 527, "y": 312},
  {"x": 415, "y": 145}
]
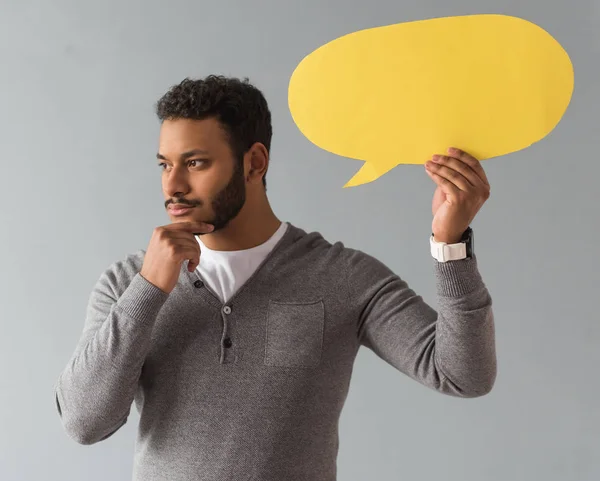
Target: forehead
[{"x": 183, "y": 135}]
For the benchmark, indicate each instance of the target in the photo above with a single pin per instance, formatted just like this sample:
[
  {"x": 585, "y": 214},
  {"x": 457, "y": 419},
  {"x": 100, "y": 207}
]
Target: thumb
[{"x": 192, "y": 264}]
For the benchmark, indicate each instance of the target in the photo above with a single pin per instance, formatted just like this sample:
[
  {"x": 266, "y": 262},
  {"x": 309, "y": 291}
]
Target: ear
[{"x": 256, "y": 161}]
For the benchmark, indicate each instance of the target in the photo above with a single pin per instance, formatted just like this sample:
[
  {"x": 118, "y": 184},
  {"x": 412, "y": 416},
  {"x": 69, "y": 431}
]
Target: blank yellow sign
[{"x": 487, "y": 84}]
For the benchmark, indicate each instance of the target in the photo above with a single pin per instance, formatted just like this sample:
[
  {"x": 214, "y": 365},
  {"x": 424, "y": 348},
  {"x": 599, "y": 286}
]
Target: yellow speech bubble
[{"x": 397, "y": 94}]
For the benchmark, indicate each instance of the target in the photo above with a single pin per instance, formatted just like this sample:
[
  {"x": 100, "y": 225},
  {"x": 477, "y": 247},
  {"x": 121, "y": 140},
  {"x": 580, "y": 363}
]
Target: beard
[{"x": 228, "y": 203}]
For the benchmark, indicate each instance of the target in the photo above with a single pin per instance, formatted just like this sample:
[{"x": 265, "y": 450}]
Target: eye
[{"x": 198, "y": 162}]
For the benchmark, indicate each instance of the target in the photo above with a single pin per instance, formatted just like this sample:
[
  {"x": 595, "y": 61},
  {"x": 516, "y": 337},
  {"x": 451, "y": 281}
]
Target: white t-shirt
[{"x": 226, "y": 271}]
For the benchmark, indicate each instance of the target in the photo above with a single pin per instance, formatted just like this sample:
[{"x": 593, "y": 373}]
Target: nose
[{"x": 175, "y": 182}]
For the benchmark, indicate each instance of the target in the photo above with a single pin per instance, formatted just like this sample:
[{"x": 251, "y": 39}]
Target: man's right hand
[{"x": 169, "y": 246}]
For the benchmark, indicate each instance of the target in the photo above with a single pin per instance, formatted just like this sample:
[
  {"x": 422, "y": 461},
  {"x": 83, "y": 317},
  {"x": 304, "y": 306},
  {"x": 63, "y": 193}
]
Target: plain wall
[{"x": 81, "y": 189}]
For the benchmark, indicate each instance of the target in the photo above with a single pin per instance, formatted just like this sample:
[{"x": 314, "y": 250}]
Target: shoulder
[
  {"x": 314, "y": 244},
  {"x": 335, "y": 253}
]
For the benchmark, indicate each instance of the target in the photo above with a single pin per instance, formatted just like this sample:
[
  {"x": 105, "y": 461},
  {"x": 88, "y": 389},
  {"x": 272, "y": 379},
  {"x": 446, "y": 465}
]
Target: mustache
[{"x": 183, "y": 201}]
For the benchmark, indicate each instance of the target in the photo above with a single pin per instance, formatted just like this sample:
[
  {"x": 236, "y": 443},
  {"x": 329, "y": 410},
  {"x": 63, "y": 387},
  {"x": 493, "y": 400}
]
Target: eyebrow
[{"x": 185, "y": 155}]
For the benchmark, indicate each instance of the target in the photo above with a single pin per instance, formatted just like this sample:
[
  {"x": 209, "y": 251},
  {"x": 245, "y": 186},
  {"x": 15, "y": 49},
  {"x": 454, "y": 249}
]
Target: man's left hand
[{"x": 462, "y": 188}]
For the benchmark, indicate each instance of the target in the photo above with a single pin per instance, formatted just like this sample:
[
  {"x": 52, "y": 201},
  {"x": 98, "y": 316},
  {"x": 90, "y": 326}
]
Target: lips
[
  {"x": 179, "y": 206},
  {"x": 179, "y": 209}
]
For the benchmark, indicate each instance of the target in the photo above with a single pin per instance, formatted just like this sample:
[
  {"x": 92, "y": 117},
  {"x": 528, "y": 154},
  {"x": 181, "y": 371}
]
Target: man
[{"x": 235, "y": 333}]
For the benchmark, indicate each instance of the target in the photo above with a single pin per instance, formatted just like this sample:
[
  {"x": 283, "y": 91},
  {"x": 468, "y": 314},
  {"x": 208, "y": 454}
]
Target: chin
[{"x": 182, "y": 218}]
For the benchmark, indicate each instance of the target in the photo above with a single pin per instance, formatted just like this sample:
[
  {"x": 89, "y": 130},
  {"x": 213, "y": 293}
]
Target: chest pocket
[{"x": 294, "y": 336}]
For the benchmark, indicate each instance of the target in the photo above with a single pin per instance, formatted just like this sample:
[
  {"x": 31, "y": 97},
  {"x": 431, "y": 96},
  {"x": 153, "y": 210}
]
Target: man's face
[{"x": 200, "y": 171}]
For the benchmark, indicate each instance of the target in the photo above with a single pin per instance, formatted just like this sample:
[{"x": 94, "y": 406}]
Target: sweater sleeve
[
  {"x": 95, "y": 391},
  {"x": 452, "y": 350}
]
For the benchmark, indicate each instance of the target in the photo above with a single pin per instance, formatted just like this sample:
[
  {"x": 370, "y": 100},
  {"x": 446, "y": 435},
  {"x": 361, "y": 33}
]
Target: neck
[{"x": 253, "y": 226}]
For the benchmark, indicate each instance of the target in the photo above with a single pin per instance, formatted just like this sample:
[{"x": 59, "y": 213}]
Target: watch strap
[{"x": 444, "y": 252}]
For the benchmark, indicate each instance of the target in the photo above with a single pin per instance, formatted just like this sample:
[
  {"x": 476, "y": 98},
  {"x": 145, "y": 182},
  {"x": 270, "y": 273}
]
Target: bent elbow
[
  {"x": 81, "y": 435},
  {"x": 84, "y": 429},
  {"x": 81, "y": 432},
  {"x": 473, "y": 385},
  {"x": 481, "y": 391},
  {"x": 481, "y": 387}
]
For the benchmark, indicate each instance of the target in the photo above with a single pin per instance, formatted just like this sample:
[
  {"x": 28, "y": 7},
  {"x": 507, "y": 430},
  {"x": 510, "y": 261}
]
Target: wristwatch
[{"x": 444, "y": 252}]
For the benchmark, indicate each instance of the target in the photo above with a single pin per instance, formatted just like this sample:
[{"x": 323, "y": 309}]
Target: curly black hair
[{"x": 237, "y": 104}]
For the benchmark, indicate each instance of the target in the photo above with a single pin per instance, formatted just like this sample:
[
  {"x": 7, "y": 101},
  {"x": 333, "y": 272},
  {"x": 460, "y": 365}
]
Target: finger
[
  {"x": 451, "y": 175},
  {"x": 184, "y": 238},
  {"x": 447, "y": 187},
  {"x": 463, "y": 168},
  {"x": 196, "y": 228},
  {"x": 189, "y": 249},
  {"x": 471, "y": 161},
  {"x": 193, "y": 263},
  {"x": 193, "y": 257},
  {"x": 184, "y": 245},
  {"x": 183, "y": 241}
]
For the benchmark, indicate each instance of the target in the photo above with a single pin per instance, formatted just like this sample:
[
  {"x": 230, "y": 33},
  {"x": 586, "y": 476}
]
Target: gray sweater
[{"x": 253, "y": 390}]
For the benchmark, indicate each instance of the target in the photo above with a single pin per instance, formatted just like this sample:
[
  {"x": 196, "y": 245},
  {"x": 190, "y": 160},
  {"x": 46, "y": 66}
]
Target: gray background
[{"x": 81, "y": 189}]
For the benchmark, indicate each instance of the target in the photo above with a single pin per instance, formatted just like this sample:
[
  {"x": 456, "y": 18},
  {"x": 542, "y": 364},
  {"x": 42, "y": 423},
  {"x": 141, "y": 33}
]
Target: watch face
[
  {"x": 467, "y": 237},
  {"x": 470, "y": 244}
]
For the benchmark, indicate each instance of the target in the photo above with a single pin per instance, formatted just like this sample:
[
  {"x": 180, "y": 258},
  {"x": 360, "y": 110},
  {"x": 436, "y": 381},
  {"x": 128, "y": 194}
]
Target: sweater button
[
  {"x": 198, "y": 283},
  {"x": 227, "y": 310},
  {"x": 227, "y": 342}
]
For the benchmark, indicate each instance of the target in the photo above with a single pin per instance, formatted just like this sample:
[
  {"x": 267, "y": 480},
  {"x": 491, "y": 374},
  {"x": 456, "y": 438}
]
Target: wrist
[
  {"x": 446, "y": 248},
  {"x": 447, "y": 239}
]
